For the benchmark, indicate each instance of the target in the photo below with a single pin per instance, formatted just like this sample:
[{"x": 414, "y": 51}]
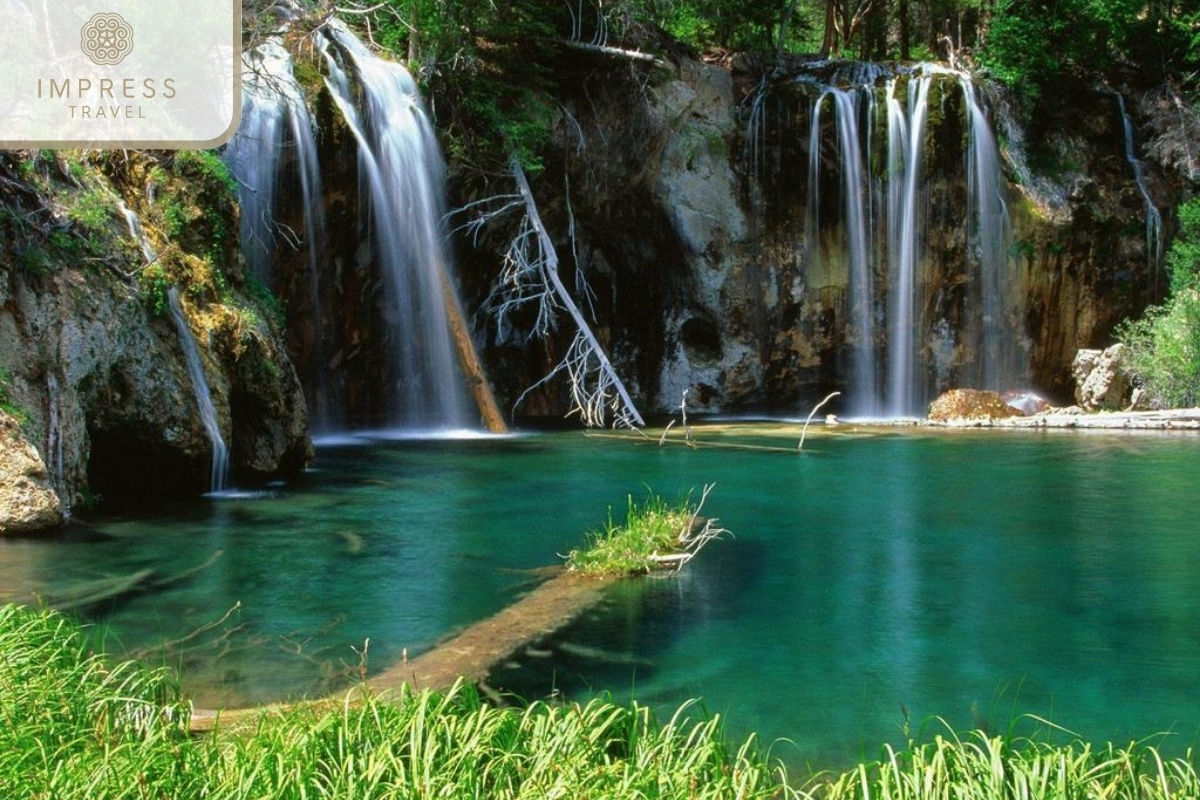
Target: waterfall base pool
[{"x": 883, "y": 576}]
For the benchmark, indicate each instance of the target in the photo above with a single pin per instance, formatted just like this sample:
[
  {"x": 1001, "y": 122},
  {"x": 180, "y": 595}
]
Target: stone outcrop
[
  {"x": 1102, "y": 382},
  {"x": 97, "y": 367},
  {"x": 970, "y": 404},
  {"x": 27, "y": 500}
]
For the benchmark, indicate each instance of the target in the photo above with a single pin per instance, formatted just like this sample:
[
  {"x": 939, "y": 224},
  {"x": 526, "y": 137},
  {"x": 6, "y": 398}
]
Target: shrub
[{"x": 1164, "y": 345}]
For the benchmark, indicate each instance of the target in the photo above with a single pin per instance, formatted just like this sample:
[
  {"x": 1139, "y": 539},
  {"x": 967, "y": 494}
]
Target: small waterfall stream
[
  {"x": 906, "y": 221},
  {"x": 1154, "y": 229},
  {"x": 855, "y": 199},
  {"x": 989, "y": 237},
  {"x": 276, "y": 139},
  {"x": 54, "y": 441},
  {"x": 191, "y": 352},
  {"x": 204, "y": 402}
]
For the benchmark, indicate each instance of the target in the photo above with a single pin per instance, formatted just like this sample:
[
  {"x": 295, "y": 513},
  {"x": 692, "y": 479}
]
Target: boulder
[
  {"x": 27, "y": 500},
  {"x": 976, "y": 404},
  {"x": 1102, "y": 381}
]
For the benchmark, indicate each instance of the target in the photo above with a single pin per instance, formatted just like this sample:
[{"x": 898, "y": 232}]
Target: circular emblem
[{"x": 106, "y": 38}]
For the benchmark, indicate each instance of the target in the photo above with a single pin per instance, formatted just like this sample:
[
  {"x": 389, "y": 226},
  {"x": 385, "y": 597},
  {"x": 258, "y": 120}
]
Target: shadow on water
[{"x": 617, "y": 646}]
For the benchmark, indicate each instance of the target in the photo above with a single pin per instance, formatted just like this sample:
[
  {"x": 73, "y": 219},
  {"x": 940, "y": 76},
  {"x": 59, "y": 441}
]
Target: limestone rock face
[
  {"x": 972, "y": 404},
  {"x": 1101, "y": 380},
  {"x": 27, "y": 500},
  {"x": 712, "y": 344},
  {"x": 105, "y": 384},
  {"x": 708, "y": 279}
]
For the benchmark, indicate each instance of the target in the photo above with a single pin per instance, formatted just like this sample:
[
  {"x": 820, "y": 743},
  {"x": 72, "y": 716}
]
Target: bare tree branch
[{"x": 530, "y": 275}]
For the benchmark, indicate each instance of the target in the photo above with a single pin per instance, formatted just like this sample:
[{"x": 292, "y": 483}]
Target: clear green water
[{"x": 971, "y": 576}]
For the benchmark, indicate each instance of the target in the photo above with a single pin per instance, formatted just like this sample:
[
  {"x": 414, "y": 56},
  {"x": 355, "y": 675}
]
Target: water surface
[{"x": 875, "y": 579}]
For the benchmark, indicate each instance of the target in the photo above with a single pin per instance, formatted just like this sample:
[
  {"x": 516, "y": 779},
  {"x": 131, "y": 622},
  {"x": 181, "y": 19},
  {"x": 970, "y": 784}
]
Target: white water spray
[{"x": 1154, "y": 230}]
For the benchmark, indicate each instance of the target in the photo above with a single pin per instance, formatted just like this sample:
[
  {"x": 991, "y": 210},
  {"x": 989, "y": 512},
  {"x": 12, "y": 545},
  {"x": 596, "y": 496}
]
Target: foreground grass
[{"x": 72, "y": 725}]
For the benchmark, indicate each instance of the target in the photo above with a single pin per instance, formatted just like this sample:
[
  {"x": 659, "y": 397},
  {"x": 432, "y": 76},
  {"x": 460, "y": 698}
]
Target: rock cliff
[
  {"x": 90, "y": 359},
  {"x": 683, "y": 194}
]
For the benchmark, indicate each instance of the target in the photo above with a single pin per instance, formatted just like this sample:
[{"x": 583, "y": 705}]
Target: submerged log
[
  {"x": 470, "y": 655},
  {"x": 86, "y": 594}
]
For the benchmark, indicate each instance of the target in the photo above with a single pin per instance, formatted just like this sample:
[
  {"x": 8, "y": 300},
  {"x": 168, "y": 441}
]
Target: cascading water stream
[
  {"x": 1154, "y": 231},
  {"x": 401, "y": 174},
  {"x": 191, "y": 352},
  {"x": 989, "y": 237},
  {"x": 273, "y": 104},
  {"x": 891, "y": 318},
  {"x": 208, "y": 412},
  {"x": 906, "y": 224},
  {"x": 855, "y": 202},
  {"x": 54, "y": 441}
]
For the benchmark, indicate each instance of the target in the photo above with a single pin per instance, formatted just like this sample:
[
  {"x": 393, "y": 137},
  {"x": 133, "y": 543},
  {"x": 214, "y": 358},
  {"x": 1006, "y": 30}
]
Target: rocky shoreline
[{"x": 1178, "y": 419}]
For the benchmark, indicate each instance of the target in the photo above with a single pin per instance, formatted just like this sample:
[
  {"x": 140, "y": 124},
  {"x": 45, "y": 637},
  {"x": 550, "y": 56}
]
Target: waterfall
[
  {"x": 855, "y": 202},
  {"x": 1154, "y": 231},
  {"x": 272, "y": 101},
  {"x": 258, "y": 154},
  {"x": 888, "y": 317},
  {"x": 208, "y": 412},
  {"x": 906, "y": 221},
  {"x": 191, "y": 353},
  {"x": 989, "y": 238},
  {"x": 54, "y": 441},
  {"x": 864, "y": 399},
  {"x": 401, "y": 174}
]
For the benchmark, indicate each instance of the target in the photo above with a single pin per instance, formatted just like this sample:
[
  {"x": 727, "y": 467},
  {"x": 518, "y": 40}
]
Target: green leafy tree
[{"x": 1032, "y": 44}]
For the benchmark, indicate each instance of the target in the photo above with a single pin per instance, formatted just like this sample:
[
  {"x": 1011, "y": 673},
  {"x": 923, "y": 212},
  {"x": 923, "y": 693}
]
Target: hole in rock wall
[{"x": 701, "y": 341}]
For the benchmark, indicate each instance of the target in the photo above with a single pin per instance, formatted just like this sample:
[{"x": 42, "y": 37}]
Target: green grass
[
  {"x": 74, "y": 725},
  {"x": 655, "y": 535},
  {"x": 979, "y": 766}
]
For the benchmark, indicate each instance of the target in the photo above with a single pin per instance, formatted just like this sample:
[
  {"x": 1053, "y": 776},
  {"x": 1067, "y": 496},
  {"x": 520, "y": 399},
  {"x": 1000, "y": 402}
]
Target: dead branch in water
[
  {"x": 697, "y": 531},
  {"x": 816, "y": 408}
]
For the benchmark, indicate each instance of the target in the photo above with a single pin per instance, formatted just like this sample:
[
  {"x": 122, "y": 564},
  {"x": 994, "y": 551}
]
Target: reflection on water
[{"x": 972, "y": 576}]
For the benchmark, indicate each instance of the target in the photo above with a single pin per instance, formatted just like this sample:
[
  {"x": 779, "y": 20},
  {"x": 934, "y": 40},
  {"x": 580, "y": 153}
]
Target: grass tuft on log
[{"x": 656, "y": 536}]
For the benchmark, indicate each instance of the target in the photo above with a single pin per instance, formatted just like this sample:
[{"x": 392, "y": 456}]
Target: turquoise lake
[{"x": 884, "y": 577}]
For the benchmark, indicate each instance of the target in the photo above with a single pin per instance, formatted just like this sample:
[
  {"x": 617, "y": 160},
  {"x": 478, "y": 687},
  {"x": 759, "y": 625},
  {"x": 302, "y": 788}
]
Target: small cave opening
[
  {"x": 125, "y": 471},
  {"x": 701, "y": 340}
]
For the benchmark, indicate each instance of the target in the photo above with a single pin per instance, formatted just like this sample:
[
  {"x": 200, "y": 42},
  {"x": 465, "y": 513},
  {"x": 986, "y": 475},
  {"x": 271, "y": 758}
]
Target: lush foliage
[
  {"x": 6, "y": 403},
  {"x": 1031, "y": 45},
  {"x": 1164, "y": 345},
  {"x": 74, "y": 725}
]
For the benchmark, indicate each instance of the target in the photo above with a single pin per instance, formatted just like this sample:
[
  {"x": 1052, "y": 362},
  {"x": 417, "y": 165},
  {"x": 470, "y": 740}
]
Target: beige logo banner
[{"x": 120, "y": 73}]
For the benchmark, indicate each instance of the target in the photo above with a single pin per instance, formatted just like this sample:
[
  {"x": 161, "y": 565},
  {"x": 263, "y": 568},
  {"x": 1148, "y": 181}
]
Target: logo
[{"x": 106, "y": 38}]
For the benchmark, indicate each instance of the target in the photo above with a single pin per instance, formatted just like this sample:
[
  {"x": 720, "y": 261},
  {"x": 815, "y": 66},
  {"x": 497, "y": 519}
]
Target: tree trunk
[
  {"x": 472, "y": 369},
  {"x": 783, "y": 31},
  {"x": 830, "y": 39},
  {"x": 905, "y": 33},
  {"x": 608, "y": 377}
]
